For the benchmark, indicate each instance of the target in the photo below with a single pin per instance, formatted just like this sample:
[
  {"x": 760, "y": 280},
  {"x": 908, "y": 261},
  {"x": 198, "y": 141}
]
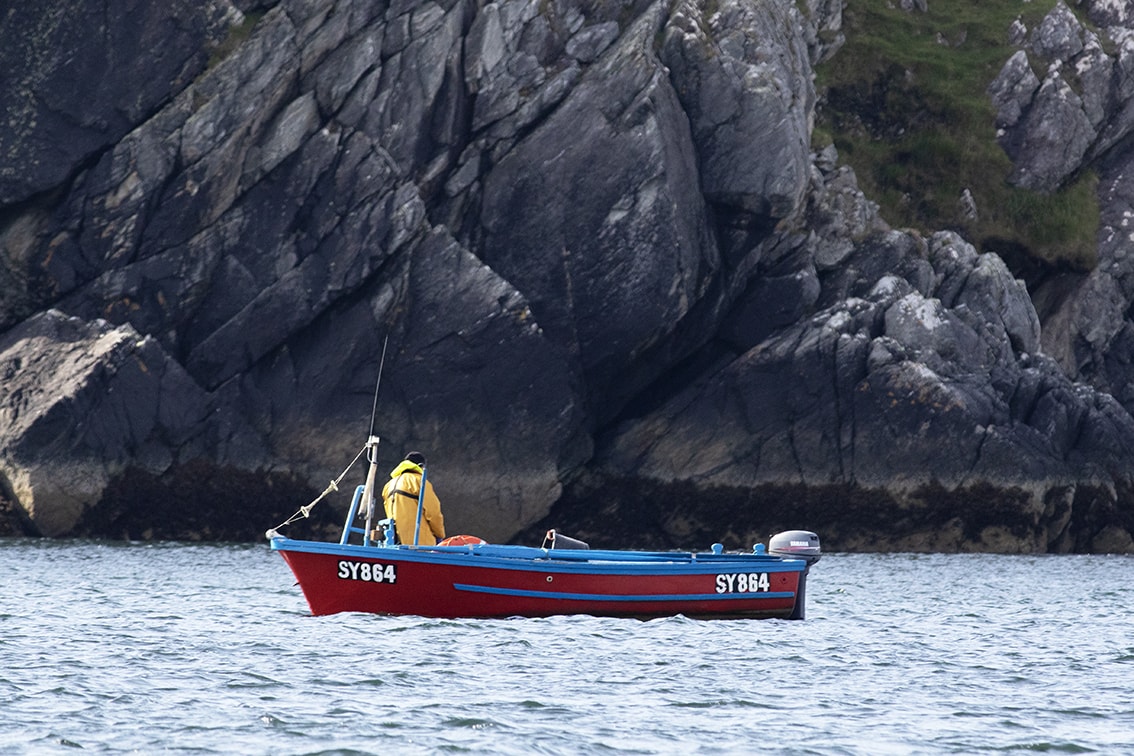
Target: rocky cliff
[{"x": 617, "y": 290}]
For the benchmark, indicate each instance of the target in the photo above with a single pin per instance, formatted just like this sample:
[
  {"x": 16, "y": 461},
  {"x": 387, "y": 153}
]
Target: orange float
[{"x": 462, "y": 540}]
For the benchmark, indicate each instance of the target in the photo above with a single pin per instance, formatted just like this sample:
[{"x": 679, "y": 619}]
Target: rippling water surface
[{"x": 210, "y": 648}]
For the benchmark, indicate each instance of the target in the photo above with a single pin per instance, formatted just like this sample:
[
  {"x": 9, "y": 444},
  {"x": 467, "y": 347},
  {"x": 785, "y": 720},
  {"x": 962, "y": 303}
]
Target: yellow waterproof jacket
[{"x": 400, "y": 497}]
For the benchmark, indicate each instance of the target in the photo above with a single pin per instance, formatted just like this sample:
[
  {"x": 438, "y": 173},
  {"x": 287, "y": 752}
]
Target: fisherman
[{"x": 401, "y": 495}]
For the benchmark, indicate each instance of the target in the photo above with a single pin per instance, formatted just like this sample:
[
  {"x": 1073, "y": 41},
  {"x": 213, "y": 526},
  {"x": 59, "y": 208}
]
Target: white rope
[{"x": 305, "y": 511}]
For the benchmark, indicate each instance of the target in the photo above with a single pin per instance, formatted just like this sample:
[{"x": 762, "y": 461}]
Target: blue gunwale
[{"x": 528, "y": 558}]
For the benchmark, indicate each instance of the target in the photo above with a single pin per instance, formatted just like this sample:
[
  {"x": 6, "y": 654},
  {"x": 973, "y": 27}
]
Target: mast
[
  {"x": 372, "y": 451},
  {"x": 368, "y": 491}
]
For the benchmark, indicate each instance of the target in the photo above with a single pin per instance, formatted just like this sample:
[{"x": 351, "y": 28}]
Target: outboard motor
[{"x": 795, "y": 544}]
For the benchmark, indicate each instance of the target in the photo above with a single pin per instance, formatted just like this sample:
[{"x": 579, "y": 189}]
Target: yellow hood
[{"x": 404, "y": 467}]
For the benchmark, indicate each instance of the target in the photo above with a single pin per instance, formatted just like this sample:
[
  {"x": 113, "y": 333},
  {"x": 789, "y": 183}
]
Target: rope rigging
[
  {"x": 372, "y": 457},
  {"x": 305, "y": 511}
]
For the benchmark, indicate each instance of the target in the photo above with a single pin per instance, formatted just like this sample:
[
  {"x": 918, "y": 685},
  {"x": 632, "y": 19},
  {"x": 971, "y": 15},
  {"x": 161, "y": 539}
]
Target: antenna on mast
[
  {"x": 378, "y": 385},
  {"x": 372, "y": 452}
]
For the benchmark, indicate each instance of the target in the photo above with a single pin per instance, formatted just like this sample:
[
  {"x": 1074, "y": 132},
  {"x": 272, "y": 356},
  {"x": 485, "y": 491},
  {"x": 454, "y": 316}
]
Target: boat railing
[
  {"x": 599, "y": 556},
  {"x": 348, "y": 528}
]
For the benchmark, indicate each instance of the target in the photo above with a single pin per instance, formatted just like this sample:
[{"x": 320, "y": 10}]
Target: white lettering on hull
[
  {"x": 369, "y": 572},
  {"x": 744, "y": 582}
]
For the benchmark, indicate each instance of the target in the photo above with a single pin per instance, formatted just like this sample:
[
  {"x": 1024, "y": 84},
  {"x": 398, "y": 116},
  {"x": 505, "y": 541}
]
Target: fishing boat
[{"x": 465, "y": 577}]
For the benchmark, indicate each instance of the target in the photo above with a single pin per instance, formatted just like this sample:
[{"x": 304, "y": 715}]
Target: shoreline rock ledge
[{"x": 618, "y": 292}]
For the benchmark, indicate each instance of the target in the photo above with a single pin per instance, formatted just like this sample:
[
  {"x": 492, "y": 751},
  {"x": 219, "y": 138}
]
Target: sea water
[{"x": 184, "y": 648}]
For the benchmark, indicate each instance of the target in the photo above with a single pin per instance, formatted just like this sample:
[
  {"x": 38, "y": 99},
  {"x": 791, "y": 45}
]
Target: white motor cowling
[{"x": 795, "y": 544}]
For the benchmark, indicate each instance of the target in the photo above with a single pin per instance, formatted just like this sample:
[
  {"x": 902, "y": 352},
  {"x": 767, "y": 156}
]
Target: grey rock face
[
  {"x": 257, "y": 209},
  {"x": 823, "y": 30},
  {"x": 607, "y": 218},
  {"x": 599, "y": 253},
  {"x": 1087, "y": 315},
  {"x": 1053, "y": 138},
  {"x": 743, "y": 76},
  {"x": 1013, "y": 89},
  {"x": 838, "y": 215},
  {"x": 1108, "y": 13},
  {"x": 82, "y": 401},
  {"x": 78, "y": 77},
  {"x": 1079, "y": 119},
  {"x": 1017, "y": 32},
  {"x": 1059, "y": 36},
  {"x": 1051, "y": 128},
  {"x": 910, "y": 356}
]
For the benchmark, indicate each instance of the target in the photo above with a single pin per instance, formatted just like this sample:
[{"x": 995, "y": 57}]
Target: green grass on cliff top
[{"x": 905, "y": 102}]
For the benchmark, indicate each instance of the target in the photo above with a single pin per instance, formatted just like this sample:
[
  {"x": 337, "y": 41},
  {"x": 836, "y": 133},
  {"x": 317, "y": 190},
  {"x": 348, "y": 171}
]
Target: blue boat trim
[
  {"x": 561, "y": 596},
  {"x": 528, "y": 559}
]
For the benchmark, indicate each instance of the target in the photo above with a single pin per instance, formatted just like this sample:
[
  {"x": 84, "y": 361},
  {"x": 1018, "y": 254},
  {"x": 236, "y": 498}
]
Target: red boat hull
[{"x": 475, "y": 583}]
